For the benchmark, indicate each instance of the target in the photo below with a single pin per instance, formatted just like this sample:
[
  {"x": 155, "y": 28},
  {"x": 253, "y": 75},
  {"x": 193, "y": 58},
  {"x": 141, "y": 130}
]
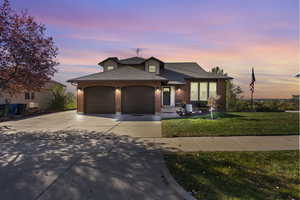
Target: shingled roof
[
  {"x": 125, "y": 73},
  {"x": 188, "y": 70},
  {"x": 132, "y": 61},
  {"x": 174, "y": 72}
]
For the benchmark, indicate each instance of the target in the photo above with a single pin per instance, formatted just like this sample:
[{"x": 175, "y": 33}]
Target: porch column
[
  {"x": 187, "y": 92},
  {"x": 118, "y": 100},
  {"x": 157, "y": 100}
]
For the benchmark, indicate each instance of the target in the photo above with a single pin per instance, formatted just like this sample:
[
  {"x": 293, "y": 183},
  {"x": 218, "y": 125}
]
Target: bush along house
[{"x": 144, "y": 86}]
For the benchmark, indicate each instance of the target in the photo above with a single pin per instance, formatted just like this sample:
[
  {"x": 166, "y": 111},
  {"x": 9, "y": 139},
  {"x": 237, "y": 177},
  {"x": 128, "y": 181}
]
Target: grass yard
[
  {"x": 231, "y": 124},
  {"x": 238, "y": 175}
]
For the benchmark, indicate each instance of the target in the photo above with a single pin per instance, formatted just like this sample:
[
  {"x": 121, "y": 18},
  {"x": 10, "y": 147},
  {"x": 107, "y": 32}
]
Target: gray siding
[
  {"x": 140, "y": 67},
  {"x": 153, "y": 62},
  {"x": 109, "y": 63}
]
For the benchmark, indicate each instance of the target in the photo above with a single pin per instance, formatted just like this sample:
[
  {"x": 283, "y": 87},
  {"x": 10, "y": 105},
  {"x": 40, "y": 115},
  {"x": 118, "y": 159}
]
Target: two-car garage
[{"x": 134, "y": 100}]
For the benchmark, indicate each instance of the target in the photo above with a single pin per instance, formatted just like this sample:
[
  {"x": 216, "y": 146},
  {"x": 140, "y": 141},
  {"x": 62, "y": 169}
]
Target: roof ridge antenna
[{"x": 137, "y": 51}]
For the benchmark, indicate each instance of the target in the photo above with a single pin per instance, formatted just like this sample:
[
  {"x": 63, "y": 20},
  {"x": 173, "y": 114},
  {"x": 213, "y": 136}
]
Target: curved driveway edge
[{"x": 173, "y": 183}]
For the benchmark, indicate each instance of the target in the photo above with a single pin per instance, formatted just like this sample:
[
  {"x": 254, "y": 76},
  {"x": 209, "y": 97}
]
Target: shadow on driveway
[{"x": 76, "y": 164}]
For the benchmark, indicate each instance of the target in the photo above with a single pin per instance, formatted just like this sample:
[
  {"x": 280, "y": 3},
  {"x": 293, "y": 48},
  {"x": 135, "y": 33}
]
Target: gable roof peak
[
  {"x": 116, "y": 59},
  {"x": 132, "y": 60}
]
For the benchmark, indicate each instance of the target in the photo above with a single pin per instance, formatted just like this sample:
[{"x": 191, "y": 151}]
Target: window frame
[
  {"x": 110, "y": 66},
  {"x": 209, "y": 92},
  {"x": 199, "y": 91},
  {"x": 32, "y": 96},
  {"x": 155, "y": 67},
  {"x": 27, "y": 96}
]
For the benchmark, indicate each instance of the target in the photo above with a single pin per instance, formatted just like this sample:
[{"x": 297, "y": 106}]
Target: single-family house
[
  {"x": 138, "y": 85},
  {"x": 32, "y": 99}
]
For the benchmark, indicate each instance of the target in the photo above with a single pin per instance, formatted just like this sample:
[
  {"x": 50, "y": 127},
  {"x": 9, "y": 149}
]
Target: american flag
[{"x": 252, "y": 81}]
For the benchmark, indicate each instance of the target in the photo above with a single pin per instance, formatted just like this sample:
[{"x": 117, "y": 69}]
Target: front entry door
[{"x": 166, "y": 96}]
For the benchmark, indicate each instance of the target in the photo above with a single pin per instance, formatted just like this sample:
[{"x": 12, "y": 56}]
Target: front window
[
  {"x": 152, "y": 68},
  {"x": 32, "y": 95},
  {"x": 201, "y": 91},
  {"x": 27, "y": 95},
  {"x": 212, "y": 89},
  {"x": 110, "y": 68},
  {"x": 194, "y": 91}
]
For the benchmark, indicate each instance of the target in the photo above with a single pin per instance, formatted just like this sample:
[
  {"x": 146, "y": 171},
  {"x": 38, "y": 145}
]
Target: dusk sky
[{"x": 233, "y": 34}]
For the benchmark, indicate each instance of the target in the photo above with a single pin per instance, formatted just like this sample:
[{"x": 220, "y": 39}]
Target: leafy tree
[
  {"x": 233, "y": 91},
  {"x": 61, "y": 99},
  {"x": 217, "y": 70},
  {"x": 26, "y": 53}
]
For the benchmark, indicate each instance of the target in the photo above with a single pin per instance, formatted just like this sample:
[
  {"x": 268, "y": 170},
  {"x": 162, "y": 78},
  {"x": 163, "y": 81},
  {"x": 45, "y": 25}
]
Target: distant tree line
[{"x": 237, "y": 103}]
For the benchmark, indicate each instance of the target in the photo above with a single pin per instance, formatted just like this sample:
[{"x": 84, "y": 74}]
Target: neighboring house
[
  {"x": 143, "y": 86},
  {"x": 40, "y": 99}
]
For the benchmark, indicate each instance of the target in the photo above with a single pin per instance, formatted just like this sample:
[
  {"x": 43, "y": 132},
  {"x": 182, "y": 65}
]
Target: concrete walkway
[{"x": 236, "y": 143}]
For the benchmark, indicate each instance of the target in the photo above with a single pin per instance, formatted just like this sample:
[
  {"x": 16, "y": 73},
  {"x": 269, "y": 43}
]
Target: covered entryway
[
  {"x": 166, "y": 96},
  {"x": 99, "y": 100},
  {"x": 138, "y": 100}
]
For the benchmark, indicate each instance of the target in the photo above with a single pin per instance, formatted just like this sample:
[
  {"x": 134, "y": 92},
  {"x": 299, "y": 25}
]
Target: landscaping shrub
[
  {"x": 61, "y": 99},
  {"x": 266, "y": 106}
]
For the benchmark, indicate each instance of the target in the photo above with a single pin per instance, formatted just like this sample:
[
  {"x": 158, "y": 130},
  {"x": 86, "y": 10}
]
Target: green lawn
[
  {"x": 238, "y": 175},
  {"x": 230, "y": 124}
]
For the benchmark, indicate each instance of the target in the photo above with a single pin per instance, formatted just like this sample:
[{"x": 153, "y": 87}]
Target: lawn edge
[
  {"x": 173, "y": 183},
  {"x": 237, "y": 135}
]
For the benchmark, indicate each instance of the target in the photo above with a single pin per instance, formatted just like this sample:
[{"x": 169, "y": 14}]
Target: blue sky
[{"x": 233, "y": 34}]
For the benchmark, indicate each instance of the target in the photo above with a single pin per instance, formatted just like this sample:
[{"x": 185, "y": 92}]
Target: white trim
[
  {"x": 154, "y": 67},
  {"x": 172, "y": 95},
  {"x": 110, "y": 67}
]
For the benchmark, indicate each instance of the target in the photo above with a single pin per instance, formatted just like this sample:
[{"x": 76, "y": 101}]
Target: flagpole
[
  {"x": 252, "y": 88},
  {"x": 252, "y": 107}
]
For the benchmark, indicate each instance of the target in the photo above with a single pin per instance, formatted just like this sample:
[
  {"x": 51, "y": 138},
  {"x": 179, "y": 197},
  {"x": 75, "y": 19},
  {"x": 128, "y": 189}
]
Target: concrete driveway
[
  {"x": 79, "y": 165},
  {"x": 134, "y": 126}
]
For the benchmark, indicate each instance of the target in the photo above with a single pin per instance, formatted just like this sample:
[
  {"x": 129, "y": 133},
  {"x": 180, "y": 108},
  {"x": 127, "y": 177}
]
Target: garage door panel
[
  {"x": 138, "y": 100},
  {"x": 100, "y": 100}
]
